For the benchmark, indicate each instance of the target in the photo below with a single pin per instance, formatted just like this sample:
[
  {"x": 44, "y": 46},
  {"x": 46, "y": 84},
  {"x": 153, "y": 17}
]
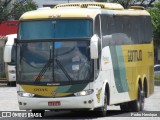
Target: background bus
[
  {"x": 93, "y": 54},
  {"x": 2, "y": 64},
  {"x": 7, "y": 28},
  {"x": 10, "y": 62}
]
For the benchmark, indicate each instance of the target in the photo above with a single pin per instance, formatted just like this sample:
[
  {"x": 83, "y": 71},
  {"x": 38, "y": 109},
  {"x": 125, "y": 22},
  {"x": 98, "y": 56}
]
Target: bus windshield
[
  {"x": 59, "y": 28},
  {"x": 50, "y": 62}
]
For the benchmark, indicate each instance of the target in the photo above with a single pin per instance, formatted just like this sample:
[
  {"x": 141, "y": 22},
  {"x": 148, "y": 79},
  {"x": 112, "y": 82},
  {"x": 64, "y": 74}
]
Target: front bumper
[{"x": 66, "y": 103}]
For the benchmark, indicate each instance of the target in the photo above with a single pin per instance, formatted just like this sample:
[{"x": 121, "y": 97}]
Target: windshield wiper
[
  {"x": 63, "y": 70},
  {"x": 44, "y": 69},
  {"x": 42, "y": 72},
  {"x": 47, "y": 65}
]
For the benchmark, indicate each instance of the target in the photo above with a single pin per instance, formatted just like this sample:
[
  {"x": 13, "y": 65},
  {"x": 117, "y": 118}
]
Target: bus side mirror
[
  {"x": 94, "y": 47},
  {"x": 7, "y": 53}
]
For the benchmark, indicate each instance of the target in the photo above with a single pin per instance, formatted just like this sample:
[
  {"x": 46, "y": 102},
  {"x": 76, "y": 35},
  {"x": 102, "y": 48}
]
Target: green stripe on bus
[
  {"x": 71, "y": 88},
  {"x": 63, "y": 89},
  {"x": 119, "y": 68},
  {"x": 77, "y": 88}
]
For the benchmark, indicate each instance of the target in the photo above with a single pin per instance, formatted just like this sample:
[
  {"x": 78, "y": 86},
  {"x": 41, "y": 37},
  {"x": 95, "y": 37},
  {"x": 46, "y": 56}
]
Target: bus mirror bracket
[{"x": 94, "y": 47}]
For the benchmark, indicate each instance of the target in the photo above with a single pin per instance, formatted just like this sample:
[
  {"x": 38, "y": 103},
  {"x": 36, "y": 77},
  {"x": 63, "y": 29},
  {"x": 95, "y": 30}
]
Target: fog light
[
  {"x": 90, "y": 101},
  {"x": 20, "y": 103},
  {"x": 12, "y": 71},
  {"x": 24, "y": 103}
]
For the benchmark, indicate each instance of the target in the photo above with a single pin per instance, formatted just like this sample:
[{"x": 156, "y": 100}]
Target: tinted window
[
  {"x": 123, "y": 30},
  {"x": 49, "y": 29}
]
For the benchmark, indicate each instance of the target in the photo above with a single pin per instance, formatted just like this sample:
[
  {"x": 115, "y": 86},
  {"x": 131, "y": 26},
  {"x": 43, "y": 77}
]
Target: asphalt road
[{"x": 8, "y": 102}]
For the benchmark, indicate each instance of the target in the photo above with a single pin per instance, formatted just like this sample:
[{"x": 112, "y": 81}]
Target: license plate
[{"x": 54, "y": 103}]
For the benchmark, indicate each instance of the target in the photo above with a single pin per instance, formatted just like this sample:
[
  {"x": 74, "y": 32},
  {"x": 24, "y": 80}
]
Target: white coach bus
[{"x": 84, "y": 56}]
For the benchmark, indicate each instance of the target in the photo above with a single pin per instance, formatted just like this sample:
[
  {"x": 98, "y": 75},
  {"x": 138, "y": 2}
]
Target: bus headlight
[
  {"x": 25, "y": 94},
  {"x": 12, "y": 71},
  {"x": 84, "y": 92}
]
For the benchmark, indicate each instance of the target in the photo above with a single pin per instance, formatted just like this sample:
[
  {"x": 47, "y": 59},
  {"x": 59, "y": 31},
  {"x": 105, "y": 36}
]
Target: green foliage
[
  {"x": 17, "y": 9},
  {"x": 102, "y": 0},
  {"x": 3, "y": 10},
  {"x": 20, "y": 8},
  {"x": 157, "y": 77},
  {"x": 127, "y": 3},
  {"x": 155, "y": 14},
  {"x": 3, "y": 14}
]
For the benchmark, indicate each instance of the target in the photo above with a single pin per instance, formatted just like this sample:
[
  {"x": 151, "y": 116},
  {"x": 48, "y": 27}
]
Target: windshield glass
[
  {"x": 60, "y": 28},
  {"x": 55, "y": 61}
]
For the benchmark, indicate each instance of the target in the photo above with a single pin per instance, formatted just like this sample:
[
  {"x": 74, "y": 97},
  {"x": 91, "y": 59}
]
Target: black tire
[
  {"x": 11, "y": 84},
  {"x": 124, "y": 107},
  {"x": 142, "y": 100},
  {"x": 8, "y": 84},
  {"x": 138, "y": 104},
  {"x": 40, "y": 112},
  {"x": 102, "y": 111}
]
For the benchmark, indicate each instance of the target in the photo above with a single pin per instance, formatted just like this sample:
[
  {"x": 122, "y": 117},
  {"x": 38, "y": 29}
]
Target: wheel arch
[
  {"x": 108, "y": 93},
  {"x": 145, "y": 87},
  {"x": 139, "y": 83},
  {"x": 106, "y": 89}
]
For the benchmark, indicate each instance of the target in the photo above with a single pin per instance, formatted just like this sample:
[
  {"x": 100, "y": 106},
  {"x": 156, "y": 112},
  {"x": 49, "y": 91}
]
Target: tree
[
  {"x": 21, "y": 7},
  {"x": 3, "y": 10},
  {"x": 155, "y": 14},
  {"x": 17, "y": 9},
  {"x": 127, "y": 3}
]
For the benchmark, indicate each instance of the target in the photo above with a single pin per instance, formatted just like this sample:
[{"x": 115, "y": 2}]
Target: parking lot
[{"x": 8, "y": 102}]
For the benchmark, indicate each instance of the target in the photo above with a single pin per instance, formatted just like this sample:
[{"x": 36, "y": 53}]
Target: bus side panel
[
  {"x": 139, "y": 62},
  {"x": 113, "y": 70}
]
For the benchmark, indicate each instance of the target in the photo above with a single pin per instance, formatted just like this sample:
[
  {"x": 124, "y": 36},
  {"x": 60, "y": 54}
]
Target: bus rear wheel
[
  {"x": 138, "y": 105},
  {"x": 124, "y": 107}
]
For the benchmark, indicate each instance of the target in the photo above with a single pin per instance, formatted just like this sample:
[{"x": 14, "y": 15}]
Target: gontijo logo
[{"x": 134, "y": 55}]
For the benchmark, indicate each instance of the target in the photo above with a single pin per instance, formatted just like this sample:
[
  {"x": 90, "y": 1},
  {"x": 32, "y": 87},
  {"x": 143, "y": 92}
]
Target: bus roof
[
  {"x": 60, "y": 13},
  {"x": 102, "y": 5},
  {"x": 82, "y": 10}
]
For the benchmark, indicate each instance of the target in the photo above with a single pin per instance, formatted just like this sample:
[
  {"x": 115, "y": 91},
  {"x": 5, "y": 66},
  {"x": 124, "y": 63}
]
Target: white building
[{"x": 51, "y": 3}]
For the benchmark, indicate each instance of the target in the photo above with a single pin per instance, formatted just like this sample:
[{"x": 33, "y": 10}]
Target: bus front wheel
[{"x": 102, "y": 111}]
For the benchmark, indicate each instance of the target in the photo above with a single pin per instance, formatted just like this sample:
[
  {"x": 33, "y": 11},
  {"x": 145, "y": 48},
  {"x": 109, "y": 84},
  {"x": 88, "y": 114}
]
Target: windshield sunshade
[{"x": 60, "y": 28}]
